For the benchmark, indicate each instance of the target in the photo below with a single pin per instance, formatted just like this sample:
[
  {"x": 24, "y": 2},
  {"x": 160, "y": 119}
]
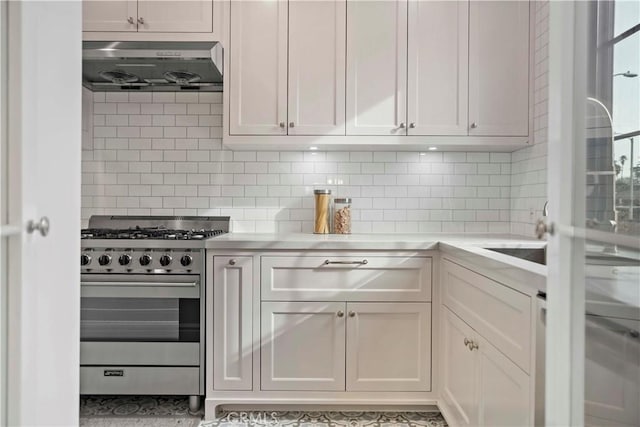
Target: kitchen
[{"x": 432, "y": 186}]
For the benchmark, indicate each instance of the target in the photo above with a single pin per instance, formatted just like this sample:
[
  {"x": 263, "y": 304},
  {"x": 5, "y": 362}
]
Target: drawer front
[
  {"x": 140, "y": 353},
  {"x": 498, "y": 313},
  {"x": 139, "y": 380},
  {"x": 346, "y": 278}
]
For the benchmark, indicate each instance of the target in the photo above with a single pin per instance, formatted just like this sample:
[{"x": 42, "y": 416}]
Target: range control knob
[
  {"x": 186, "y": 260},
  {"x": 104, "y": 259},
  {"x": 145, "y": 259},
  {"x": 165, "y": 260},
  {"x": 85, "y": 259},
  {"x": 125, "y": 259}
]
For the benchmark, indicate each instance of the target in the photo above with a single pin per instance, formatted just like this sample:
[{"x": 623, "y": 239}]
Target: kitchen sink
[{"x": 538, "y": 255}]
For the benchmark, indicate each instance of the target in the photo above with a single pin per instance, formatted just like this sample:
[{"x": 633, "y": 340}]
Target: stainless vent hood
[{"x": 152, "y": 66}]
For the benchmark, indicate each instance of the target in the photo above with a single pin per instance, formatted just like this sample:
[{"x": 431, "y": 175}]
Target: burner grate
[{"x": 139, "y": 233}]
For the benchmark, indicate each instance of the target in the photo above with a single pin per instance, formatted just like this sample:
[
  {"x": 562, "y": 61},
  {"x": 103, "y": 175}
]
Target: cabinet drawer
[
  {"x": 498, "y": 313},
  {"x": 346, "y": 278},
  {"x": 139, "y": 380}
]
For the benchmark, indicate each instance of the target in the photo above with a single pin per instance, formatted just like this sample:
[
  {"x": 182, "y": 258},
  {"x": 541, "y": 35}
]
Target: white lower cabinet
[
  {"x": 481, "y": 386},
  {"x": 387, "y": 346},
  {"x": 612, "y": 372},
  {"x": 232, "y": 321},
  {"x": 303, "y": 346}
]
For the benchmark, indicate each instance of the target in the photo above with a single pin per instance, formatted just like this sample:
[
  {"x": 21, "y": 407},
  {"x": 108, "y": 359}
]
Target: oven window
[{"x": 140, "y": 319}]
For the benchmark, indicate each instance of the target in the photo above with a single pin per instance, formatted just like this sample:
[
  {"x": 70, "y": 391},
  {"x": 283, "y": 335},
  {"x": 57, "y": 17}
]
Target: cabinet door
[
  {"x": 459, "y": 369},
  {"x": 258, "y": 68},
  {"x": 612, "y": 370},
  {"x": 177, "y": 16},
  {"x": 389, "y": 347},
  {"x": 233, "y": 343},
  {"x": 376, "y": 67},
  {"x": 499, "y": 68},
  {"x": 317, "y": 36},
  {"x": 110, "y": 15},
  {"x": 438, "y": 67},
  {"x": 303, "y": 346},
  {"x": 503, "y": 389}
]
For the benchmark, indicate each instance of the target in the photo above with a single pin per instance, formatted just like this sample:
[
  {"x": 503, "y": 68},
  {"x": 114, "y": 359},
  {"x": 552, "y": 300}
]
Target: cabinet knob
[
  {"x": 141, "y": 20},
  {"x": 402, "y": 125},
  {"x": 340, "y": 313},
  {"x": 291, "y": 124},
  {"x": 131, "y": 20},
  {"x": 473, "y": 346},
  {"x": 232, "y": 262},
  {"x": 466, "y": 342},
  {"x": 412, "y": 125},
  {"x": 282, "y": 125},
  {"x": 352, "y": 314},
  {"x": 474, "y": 125},
  {"x": 42, "y": 226}
]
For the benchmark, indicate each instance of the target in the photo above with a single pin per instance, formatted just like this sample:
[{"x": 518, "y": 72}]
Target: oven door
[{"x": 145, "y": 320}]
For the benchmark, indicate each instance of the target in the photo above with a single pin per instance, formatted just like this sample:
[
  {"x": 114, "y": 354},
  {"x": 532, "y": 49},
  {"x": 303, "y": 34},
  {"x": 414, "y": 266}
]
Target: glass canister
[
  {"x": 342, "y": 215},
  {"x": 323, "y": 202}
]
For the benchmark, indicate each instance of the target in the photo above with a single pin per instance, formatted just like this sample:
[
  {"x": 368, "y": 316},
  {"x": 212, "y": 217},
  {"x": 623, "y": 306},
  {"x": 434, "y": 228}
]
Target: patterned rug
[
  {"x": 173, "y": 411},
  {"x": 327, "y": 419}
]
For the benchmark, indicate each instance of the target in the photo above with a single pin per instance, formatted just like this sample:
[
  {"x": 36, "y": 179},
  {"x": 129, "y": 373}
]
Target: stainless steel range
[{"x": 142, "y": 304}]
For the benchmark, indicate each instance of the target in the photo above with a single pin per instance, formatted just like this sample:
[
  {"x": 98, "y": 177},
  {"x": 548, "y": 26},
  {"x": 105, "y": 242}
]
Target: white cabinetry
[
  {"x": 232, "y": 322},
  {"x": 154, "y": 16},
  {"x": 388, "y": 346},
  {"x": 317, "y": 67},
  {"x": 377, "y": 67},
  {"x": 269, "y": 97},
  {"x": 481, "y": 386},
  {"x": 499, "y": 68},
  {"x": 612, "y": 371},
  {"x": 257, "y": 77},
  {"x": 303, "y": 346},
  {"x": 438, "y": 67},
  {"x": 116, "y": 15},
  {"x": 486, "y": 337}
]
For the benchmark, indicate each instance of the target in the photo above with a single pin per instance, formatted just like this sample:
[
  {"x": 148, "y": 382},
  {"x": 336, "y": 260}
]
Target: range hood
[{"x": 152, "y": 66}]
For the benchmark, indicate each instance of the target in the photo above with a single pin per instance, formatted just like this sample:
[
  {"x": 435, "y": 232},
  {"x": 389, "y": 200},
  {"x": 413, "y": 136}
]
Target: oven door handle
[{"x": 143, "y": 284}]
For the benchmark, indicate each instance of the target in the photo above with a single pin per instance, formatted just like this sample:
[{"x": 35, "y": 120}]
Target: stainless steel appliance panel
[
  {"x": 139, "y": 380},
  {"x": 140, "y": 353}
]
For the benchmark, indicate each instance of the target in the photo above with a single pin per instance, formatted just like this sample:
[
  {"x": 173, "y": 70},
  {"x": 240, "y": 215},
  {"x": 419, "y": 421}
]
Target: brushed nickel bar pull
[{"x": 363, "y": 262}]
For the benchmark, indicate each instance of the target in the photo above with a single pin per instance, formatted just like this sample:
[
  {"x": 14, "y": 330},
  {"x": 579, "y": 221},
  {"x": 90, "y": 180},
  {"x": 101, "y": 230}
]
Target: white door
[
  {"x": 499, "y": 68},
  {"x": 317, "y": 37},
  {"x": 232, "y": 319},
  {"x": 503, "y": 389},
  {"x": 377, "y": 67},
  {"x": 257, "y": 78},
  {"x": 176, "y": 16},
  {"x": 388, "y": 347},
  {"x": 438, "y": 67},
  {"x": 110, "y": 15},
  {"x": 459, "y": 369},
  {"x": 303, "y": 345},
  {"x": 44, "y": 112},
  {"x": 612, "y": 371}
]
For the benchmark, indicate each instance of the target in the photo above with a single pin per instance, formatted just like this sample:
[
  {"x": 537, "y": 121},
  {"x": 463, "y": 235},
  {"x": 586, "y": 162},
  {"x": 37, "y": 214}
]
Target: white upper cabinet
[
  {"x": 116, "y": 15},
  {"x": 499, "y": 68},
  {"x": 151, "y": 16},
  {"x": 438, "y": 67},
  {"x": 183, "y": 16},
  {"x": 317, "y": 34},
  {"x": 257, "y": 77},
  {"x": 376, "y": 67}
]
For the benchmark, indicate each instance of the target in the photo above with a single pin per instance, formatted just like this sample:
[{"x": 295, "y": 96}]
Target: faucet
[
  {"x": 545, "y": 209},
  {"x": 541, "y": 226}
]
